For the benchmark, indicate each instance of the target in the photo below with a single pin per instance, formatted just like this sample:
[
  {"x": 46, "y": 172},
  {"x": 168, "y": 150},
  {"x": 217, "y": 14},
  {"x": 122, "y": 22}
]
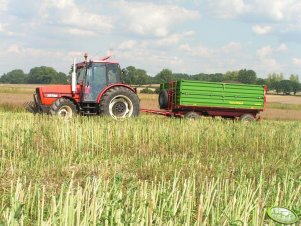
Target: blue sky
[{"x": 185, "y": 36}]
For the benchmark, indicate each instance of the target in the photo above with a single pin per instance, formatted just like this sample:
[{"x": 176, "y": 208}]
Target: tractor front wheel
[
  {"x": 63, "y": 107},
  {"x": 119, "y": 103}
]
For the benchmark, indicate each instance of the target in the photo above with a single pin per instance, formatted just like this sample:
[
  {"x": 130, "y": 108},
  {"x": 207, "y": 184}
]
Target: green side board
[{"x": 216, "y": 94}]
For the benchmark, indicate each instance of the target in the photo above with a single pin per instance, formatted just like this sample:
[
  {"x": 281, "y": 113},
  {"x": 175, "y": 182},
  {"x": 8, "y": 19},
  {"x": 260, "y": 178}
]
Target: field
[{"x": 149, "y": 170}]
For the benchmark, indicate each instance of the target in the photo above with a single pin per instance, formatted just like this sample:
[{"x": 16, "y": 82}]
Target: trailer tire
[
  {"x": 192, "y": 115},
  {"x": 119, "y": 102},
  {"x": 63, "y": 107},
  {"x": 163, "y": 99},
  {"x": 247, "y": 118}
]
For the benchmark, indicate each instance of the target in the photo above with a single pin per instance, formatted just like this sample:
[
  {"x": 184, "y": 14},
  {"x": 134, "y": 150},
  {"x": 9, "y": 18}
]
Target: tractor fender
[
  {"x": 111, "y": 86},
  {"x": 72, "y": 100}
]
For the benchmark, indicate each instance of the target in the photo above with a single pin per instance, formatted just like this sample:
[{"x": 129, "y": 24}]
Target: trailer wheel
[
  {"x": 163, "y": 99},
  {"x": 247, "y": 118},
  {"x": 120, "y": 102},
  {"x": 63, "y": 107},
  {"x": 192, "y": 115}
]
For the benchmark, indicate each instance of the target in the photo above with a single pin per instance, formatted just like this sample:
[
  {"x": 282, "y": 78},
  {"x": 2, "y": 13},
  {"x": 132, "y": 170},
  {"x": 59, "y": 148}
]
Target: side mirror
[{"x": 125, "y": 71}]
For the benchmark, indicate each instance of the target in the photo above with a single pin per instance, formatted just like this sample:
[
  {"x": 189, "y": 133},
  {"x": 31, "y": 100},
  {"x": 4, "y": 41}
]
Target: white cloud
[
  {"x": 297, "y": 61},
  {"x": 16, "y": 49},
  {"x": 278, "y": 9},
  {"x": 75, "y": 16},
  {"x": 127, "y": 45},
  {"x": 81, "y": 32},
  {"x": 264, "y": 52},
  {"x": 228, "y": 8},
  {"x": 262, "y": 29},
  {"x": 4, "y": 31},
  {"x": 231, "y": 47},
  {"x": 282, "y": 47},
  {"x": 266, "y": 60},
  {"x": 274, "y": 9},
  {"x": 196, "y": 51},
  {"x": 170, "y": 41},
  {"x": 3, "y": 5},
  {"x": 152, "y": 19},
  {"x": 26, "y": 58}
]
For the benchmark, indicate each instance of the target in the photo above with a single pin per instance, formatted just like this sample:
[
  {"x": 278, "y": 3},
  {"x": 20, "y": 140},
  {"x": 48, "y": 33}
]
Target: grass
[
  {"x": 284, "y": 106},
  {"x": 145, "y": 171},
  {"x": 17, "y": 88}
]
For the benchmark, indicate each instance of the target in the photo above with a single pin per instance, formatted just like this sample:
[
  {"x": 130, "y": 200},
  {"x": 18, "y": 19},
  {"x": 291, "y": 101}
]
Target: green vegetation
[
  {"x": 136, "y": 76},
  {"x": 284, "y": 106},
  {"x": 37, "y": 75},
  {"x": 146, "y": 170},
  {"x": 12, "y": 108},
  {"x": 20, "y": 90}
]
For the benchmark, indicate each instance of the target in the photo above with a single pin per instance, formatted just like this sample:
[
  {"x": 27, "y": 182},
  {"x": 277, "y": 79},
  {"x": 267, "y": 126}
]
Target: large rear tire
[
  {"x": 119, "y": 103},
  {"x": 63, "y": 107},
  {"x": 163, "y": 99}
]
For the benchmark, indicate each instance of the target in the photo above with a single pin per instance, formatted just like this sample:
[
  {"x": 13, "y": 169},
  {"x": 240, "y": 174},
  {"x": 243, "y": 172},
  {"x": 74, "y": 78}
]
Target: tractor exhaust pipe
[{"x": 73, "y": 83}]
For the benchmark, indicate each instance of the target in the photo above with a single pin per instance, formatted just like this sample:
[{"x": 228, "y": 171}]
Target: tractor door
[{"x": 95, "y": 81}]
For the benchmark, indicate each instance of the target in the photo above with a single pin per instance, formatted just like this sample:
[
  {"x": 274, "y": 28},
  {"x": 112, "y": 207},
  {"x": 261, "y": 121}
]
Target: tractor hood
[
  {"x": 48, "y": 94},
  {"x": 55, "y": 89}
]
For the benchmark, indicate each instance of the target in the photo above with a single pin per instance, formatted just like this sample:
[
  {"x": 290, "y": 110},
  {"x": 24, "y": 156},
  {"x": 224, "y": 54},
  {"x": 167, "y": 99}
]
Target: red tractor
[{"x": 96, "y": 89}]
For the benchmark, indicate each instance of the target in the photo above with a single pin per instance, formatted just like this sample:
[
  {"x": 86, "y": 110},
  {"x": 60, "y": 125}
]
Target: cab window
[{"x": 80, "y": 75}]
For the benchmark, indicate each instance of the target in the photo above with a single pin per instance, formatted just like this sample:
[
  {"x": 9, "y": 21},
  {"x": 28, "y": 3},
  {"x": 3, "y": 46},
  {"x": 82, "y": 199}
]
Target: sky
[{"x": 209, "y": 36}]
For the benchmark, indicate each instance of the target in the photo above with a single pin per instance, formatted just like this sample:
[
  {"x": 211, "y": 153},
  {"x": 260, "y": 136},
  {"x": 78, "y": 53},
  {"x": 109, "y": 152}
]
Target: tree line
[
  {"x": 136, "y": 76},
  {"x": 36, "y": 75},
  {"x": 273, "y": 81}
]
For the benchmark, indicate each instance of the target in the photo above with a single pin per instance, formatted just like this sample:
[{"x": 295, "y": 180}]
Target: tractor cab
[{"x": 94, "y": 76}]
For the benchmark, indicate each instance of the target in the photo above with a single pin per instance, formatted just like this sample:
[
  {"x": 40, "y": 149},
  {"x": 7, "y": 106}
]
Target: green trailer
[{"x": 195, "y": 98}]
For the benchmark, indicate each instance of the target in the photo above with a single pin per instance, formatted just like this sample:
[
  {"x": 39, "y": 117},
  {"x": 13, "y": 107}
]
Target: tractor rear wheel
[
  {"x": 63, "y": 107},
  {"x": 119, "y": 103}
]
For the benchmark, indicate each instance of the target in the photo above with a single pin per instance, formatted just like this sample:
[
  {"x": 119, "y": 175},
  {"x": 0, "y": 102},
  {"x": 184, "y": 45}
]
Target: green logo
[{"x": 282, "y": 215}]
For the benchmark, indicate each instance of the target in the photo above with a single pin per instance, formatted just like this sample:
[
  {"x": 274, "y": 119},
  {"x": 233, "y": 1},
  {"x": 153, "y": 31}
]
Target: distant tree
[
  {"x": 294, "y": 78},
  {"x": 136, "y": 76},
  {"x": 247, "y": 76},
  {"x": 141, "y": 77},
  {"x": 296, "y": 87},
  {"x": 201, "y": 77},
  {"x": 231, "y": 76},
  {"x": 277, "y": 86},
  {"x": 46, "y": 75},
  {"x": 217, "y": 77},
  {"x": 164, "y": 76},
  {"x": 273, "y": 79},
  {"x": 179, "y": 76},
  {"x": 16, "y": 76},
  {"x": 260, "y": 81},
  {"x": 286, "y": 86}
]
